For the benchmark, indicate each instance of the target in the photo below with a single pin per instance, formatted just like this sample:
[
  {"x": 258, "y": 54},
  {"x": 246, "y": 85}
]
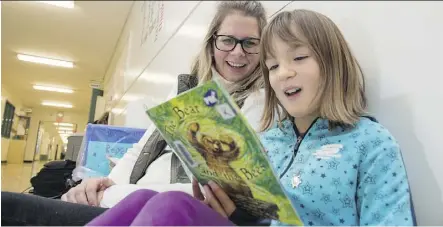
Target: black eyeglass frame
[{"x": 237, "y": 41}]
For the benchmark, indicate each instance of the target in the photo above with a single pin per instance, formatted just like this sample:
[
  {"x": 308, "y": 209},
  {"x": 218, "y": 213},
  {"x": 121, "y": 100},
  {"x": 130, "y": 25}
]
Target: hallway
[{"x": 16, "y": 177}]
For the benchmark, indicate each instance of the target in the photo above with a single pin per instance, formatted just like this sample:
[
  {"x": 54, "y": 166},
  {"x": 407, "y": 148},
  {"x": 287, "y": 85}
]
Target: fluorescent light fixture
[
  {"x": 55, "y": 104},
  {"x": 47, "y": 61},
  {"x": 64, "y": 4},
  {"x": 65, "y": 134},
  {"x": 55, "y": 89},
  {"x": 65, "y": 129},
  {"x": 64, "y": 124}
]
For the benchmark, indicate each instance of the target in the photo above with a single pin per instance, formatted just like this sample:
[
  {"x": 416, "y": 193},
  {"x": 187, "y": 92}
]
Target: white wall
[{"x": 397, "y": 43}]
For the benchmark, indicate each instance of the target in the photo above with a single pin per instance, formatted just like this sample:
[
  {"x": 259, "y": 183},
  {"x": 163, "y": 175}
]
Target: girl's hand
[{"x": 216, "y": 198}]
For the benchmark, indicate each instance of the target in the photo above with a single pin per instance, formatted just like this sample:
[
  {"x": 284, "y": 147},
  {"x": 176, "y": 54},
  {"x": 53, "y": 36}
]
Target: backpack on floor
[{"x": 54, "y": 179}]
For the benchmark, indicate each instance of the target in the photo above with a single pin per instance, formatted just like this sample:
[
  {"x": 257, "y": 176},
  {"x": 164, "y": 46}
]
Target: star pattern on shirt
[
  {"x": 301, "y": 158},
  {"x": 392, "y": 155},
  {"x": 311, "y": 146},
  {"x": 333, "y": 164},
  {"x": 307, "y": 188},
  {"x": 367, "y": 132},
  {"x": 376, "y": 143},
  {"x": 376, "y": 216},
  {"x": 363, "y": 150},
  {"x": 385, "y": 168},
  {"x": 318, "y": 214},
  {"x": 312, "y": 171},
  {"x": 355, "y": 135},
  {"x": 329, "y": 199},
  {"x": 336, "y": 182},
  {"x": 370, "y": 179},
  {"x": 326, "y": 198},
  {"x": 351, "y": 183},
  {"x": 400, "y": 207},
  {"x": 335, "y": 211},
  {"x": 379, "y": 196},
  {"x": 347, "y": 202},
  {"x": 349, "y": 159}
]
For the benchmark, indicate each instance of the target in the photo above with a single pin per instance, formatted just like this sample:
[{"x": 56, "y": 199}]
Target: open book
[{"x": 207, "y": 131}]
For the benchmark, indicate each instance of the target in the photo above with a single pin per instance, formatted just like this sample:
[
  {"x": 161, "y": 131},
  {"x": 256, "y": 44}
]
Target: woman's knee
[
  {"x": 141, "y": 196},
  {"x": 171, "y": 208},
  {"x": 174, "y": 197},
  {"x": 143, "y": 193}
]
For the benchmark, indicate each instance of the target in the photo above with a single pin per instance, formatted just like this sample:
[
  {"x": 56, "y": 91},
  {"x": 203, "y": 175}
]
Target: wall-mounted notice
[{"x": 152, "y": 24}]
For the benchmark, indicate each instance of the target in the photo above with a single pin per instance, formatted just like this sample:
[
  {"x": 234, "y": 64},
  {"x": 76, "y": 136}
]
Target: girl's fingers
[
  {"x": 226, "y": 202},
  {"x": 213, "y": 202},
  {"x": 196, "y": 191}
]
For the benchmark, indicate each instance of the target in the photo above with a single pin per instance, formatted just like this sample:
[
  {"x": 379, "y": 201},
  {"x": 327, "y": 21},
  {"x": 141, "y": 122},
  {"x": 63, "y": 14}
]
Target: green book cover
[{"x": 209, "y": 134}]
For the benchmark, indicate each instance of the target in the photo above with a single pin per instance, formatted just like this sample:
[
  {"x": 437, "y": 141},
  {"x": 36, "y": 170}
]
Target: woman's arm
[{"x": 383, "y": 194}]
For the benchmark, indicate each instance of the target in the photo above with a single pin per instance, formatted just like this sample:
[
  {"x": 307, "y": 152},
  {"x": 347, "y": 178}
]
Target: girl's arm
[{"x": 383, "y": 194}]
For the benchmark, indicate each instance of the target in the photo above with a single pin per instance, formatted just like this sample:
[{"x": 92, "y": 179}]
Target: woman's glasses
[{"x": 228, "y": 43}]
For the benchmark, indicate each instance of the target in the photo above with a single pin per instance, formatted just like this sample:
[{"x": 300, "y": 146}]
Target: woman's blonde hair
[
  {"x": 342, "y": 88},
  {"x": 202, "y": 65}
]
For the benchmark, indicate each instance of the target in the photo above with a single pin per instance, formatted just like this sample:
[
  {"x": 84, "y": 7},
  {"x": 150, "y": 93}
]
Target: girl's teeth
[
  {"x": 292, "y": 91},
  {"x": 236, "y": 65}
]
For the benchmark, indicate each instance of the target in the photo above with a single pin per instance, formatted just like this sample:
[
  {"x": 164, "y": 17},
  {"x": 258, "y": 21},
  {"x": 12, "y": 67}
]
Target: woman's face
[{"x": 236, "y": 64}]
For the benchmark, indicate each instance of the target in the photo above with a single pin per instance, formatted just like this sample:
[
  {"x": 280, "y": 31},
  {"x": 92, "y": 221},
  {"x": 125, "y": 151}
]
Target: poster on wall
[{"x": 152, "y": 23}]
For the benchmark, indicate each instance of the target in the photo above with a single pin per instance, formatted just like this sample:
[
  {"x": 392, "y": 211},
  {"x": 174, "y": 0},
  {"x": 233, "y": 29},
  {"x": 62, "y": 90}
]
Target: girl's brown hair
[
  {"x": 203, "y": 62},
  {"x": 341, "y": 91}
]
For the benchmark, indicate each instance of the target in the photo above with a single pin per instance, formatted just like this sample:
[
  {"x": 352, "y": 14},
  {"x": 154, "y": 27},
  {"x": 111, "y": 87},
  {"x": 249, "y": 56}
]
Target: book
[
  {"x": 210, "y": 135},
  {"x": 102, "y": 146}
]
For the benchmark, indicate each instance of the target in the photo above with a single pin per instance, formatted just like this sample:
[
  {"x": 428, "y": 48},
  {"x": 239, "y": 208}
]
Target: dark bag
[{"x": 54, "y": 179}]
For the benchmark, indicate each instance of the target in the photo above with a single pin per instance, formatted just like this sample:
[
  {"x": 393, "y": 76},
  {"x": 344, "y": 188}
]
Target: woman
[
  {"x": 236, "y": 22},
  {"x": 231, "y": 54}
]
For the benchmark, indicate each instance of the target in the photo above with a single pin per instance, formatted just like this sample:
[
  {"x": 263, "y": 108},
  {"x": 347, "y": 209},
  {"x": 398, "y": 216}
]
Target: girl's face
[
  {"x": 294, "y": 75},
  {"x": 236, "y": 64}
]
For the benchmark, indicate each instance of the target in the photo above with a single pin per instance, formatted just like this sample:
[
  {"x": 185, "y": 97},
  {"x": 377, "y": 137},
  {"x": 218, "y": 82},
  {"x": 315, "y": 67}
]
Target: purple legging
[{"x": 149, "y": 208}]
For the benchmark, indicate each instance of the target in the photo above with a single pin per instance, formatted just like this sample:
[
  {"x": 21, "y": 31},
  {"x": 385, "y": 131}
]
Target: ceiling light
[
  {"x": 64, "y": 124},
  {"x": 64, "y": 4},
  {"x": 65, "y": 128},
  {"x": 46, "y": 61},
  {"x": 65, "y": 134},
  {"x": 55, "y": 89},
  {"x": 62, "y": 105}
]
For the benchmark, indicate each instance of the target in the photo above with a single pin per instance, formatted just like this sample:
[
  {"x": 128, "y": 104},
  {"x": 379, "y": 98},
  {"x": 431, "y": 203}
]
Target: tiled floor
[{"x": 16, "y": 177}]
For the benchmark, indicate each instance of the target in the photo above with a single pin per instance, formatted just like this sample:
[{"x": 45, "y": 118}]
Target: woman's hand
[
  {"x": 216, "y": 198},
  {"x": 89, "y": 192}
]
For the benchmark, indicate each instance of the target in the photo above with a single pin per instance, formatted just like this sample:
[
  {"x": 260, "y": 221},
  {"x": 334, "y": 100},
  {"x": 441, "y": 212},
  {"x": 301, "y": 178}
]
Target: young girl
[{"x": 336, "y": 165}]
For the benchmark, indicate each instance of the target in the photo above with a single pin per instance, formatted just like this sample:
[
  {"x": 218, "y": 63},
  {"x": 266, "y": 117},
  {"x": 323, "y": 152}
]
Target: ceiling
[{"x": 86, "y": 34}]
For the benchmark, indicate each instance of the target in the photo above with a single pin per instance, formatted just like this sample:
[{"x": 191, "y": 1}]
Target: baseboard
[
  {"x": 27, "y": 161},
  {"x": 4, "y": 162}
]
